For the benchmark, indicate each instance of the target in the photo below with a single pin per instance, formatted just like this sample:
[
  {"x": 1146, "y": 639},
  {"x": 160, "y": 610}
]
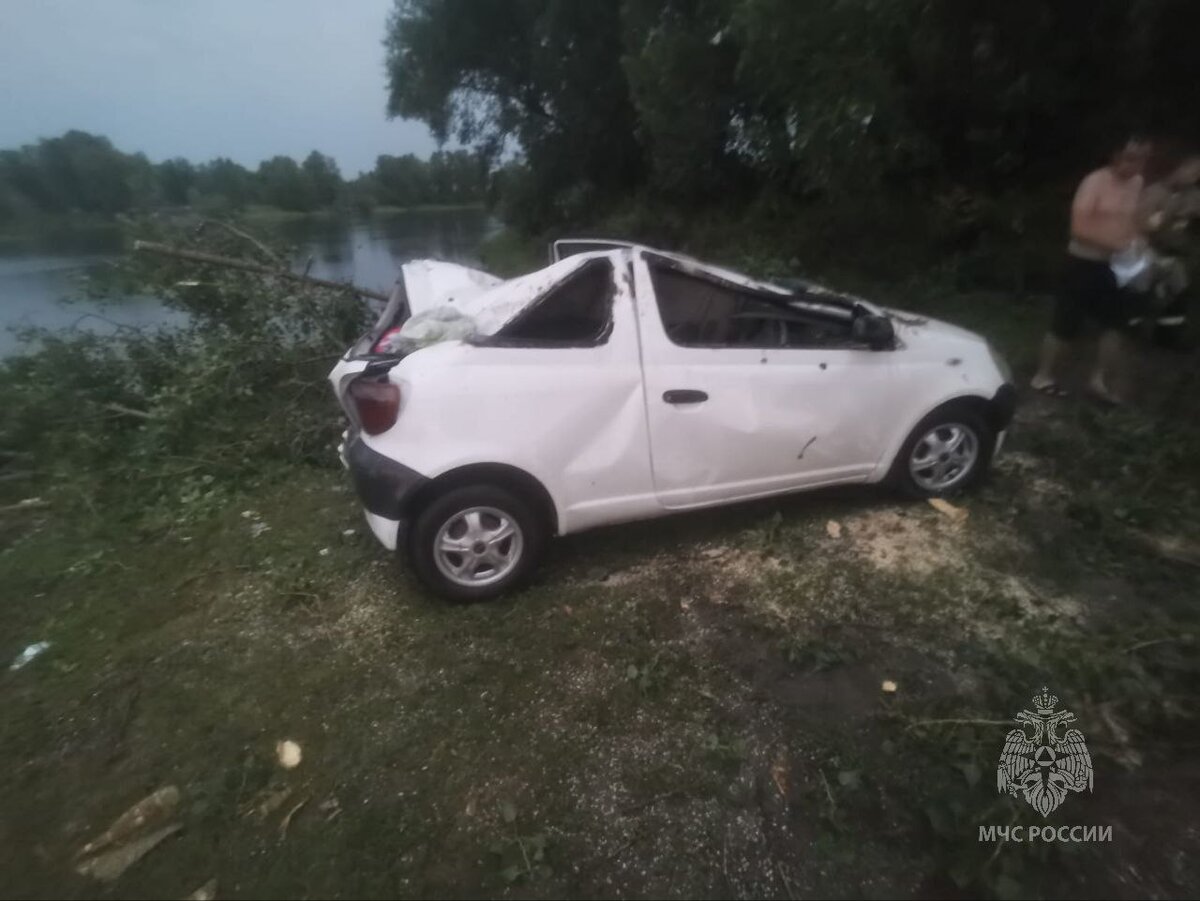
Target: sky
[{"x": 246, "y": 79}]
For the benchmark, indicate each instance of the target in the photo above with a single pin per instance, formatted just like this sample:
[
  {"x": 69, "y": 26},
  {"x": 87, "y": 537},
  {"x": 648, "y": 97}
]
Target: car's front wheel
[
  {"x": 475, "y": 542},
  {"x": 948, "y": 452}
]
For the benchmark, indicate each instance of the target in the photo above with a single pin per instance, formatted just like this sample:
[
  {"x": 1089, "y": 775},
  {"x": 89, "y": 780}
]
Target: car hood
[{"x": 917, "y": 331}]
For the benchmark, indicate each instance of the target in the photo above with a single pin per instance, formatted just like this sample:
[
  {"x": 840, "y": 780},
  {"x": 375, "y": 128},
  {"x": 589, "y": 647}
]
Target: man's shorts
[{"x": 1090, "y": 292}]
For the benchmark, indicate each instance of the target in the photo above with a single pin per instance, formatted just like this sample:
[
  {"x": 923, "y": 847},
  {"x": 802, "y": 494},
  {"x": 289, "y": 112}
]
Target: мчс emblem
[{"x": 1043, "y": 759}]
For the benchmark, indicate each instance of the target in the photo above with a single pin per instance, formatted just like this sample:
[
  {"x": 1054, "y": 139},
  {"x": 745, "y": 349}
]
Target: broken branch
[
  {"x": 213, "y": 259},
  {"x": 30, "y": 503},
  {"x": 245, "y": 236},
  {"x": 128, "y": 411}
]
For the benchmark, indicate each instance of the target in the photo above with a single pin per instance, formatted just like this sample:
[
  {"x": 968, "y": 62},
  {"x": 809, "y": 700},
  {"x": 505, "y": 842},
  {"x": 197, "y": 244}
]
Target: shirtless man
[{"x": 1104, "y": 221}]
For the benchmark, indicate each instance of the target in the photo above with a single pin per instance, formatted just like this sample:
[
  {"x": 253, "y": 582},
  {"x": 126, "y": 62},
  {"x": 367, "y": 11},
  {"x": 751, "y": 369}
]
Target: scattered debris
[
  {"x": 288, "y": 753},
  {"x": 150, "y": 811},
  {"x": 287, "y": 817},
  {"x": 109, "y": 865},
  {"x": 888, "y": 687},
  {"x": 323, "y": 552},
  {"x": 1170, "y": 547},
  {"x": 833, "y": 528},
  {"x": 267, "y": 802},
  {"x": 779, "y": 775},
  {"x": 901, "y": 541},
  {"x": 331, "y": 807},
  {"x": 29, "y": 503},
  {"x": 29, "y": 654},
  {"x": 117, "y": 849},
  {"x": 958, "y": 514},
  {"x": 1122, "y": 751},
  {"x": 349, "y": 533},
  {"x": 713, "y": 553},
  {"x": 206, "y": 892}
]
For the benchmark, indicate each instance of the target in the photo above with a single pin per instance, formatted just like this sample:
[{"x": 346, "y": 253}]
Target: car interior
[
  {"x": 702, "y": 310},
  {"x": 577, "y": 312}
]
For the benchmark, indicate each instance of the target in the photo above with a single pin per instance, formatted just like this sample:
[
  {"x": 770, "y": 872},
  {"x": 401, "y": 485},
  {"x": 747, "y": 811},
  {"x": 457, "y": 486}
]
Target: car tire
[
  {"x": 946, "y": 453},
  {"x": 475, "y": 542}
]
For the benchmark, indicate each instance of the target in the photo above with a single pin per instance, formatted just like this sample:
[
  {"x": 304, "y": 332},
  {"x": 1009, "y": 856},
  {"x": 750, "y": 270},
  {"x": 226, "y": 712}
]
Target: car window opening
[
  {"x": 702, "y": 310},
  {"x": 577, "y": 312}
]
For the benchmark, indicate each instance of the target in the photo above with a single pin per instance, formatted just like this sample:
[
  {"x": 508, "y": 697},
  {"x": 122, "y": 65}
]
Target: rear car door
[{"x": 744, "y": 397}]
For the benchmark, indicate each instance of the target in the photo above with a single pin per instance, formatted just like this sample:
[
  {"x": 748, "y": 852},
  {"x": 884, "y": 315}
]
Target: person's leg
[
  {"x": 1114, "y": 309},
  {"x": 1110, "y": 378},
  {"x": 1066, "y": 323},
  {"x": 1054, "y": 351}
]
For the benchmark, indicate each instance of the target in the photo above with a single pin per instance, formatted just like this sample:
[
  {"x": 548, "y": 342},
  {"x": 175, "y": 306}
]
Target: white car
[{"x": 623, "y": 382}]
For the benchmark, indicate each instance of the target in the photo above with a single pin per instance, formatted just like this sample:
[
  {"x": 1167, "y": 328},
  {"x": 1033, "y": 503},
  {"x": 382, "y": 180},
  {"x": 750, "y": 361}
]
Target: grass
[{"x": 685, "y": 707}]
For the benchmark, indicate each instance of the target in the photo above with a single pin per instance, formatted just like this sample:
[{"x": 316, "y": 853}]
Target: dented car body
[{"x": 623, "y": 382}]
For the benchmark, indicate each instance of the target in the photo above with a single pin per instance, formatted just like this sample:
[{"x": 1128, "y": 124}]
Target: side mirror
[{"x": 874, "y": 331}]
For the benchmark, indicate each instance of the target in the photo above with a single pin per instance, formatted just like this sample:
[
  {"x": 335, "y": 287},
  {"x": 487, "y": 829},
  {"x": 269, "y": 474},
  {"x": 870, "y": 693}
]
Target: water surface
[{"x": 44, "y": 288}]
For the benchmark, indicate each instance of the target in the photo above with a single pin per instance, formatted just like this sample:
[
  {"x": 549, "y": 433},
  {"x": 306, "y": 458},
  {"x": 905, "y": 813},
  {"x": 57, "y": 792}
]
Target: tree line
[
  {"x": 709, "y": 101},
  {"x": 84, "y": 173}
]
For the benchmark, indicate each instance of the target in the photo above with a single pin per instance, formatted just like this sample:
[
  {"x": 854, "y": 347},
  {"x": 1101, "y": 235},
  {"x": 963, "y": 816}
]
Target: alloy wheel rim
[
  {"x": 944, "y": 456},
  {"x": 478, "y": 546}
]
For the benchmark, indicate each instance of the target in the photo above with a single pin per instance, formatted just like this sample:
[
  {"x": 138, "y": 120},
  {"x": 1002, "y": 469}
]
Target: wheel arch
[
  {"x": 997, "y": 411},
  {"x": 501, "y": 474}
]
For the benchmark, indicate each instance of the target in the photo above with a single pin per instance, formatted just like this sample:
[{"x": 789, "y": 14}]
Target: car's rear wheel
[
  {"x": 475, "y": 542},
  {"x": 949, "y": 451}
]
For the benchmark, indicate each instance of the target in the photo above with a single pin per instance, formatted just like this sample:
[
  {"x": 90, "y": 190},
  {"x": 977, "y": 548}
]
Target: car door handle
[{"x": 684, "y": 396}]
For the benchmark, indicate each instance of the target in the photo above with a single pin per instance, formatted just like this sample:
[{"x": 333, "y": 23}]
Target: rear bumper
[{"x": 384, "y": 486}]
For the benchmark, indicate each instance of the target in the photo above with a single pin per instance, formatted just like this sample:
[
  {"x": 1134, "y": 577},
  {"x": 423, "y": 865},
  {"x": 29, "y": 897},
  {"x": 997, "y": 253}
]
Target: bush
[{"x": 237, "y": 390}]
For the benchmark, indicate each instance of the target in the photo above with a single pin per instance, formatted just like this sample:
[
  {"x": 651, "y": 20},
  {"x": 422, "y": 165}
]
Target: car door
[{"x": 734, "y": 416}]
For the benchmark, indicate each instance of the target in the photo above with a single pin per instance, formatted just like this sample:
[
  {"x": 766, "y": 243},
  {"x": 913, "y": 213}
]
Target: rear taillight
[{"x": 377, "y": 402}]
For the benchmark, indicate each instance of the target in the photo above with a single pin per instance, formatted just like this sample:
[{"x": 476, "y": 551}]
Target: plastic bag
[
  {"x": 1133, "y": 267},
  {"x": 425, "y": 328}
]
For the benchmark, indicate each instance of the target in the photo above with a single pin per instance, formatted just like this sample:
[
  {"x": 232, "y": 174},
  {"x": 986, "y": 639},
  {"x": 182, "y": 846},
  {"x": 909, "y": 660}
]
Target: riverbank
[
  {"x": 266, "y": 216},
  {"x": 80, "y": 229},
  {"x": 690, "y": 707}
]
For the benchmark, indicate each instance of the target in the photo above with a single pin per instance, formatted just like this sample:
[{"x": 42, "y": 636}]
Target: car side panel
[
  {"x": 929, "y": 374},
  {"x": 772, "y": 419},
  {"x": 571, "y": 417}
]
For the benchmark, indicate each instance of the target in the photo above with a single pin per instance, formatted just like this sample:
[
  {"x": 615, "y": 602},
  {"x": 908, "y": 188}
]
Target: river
[{"x": 43, "y": 288}]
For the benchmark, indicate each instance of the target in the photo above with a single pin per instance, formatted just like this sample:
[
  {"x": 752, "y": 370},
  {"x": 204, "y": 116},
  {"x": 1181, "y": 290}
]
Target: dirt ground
[{"x": 687, "y": 707}]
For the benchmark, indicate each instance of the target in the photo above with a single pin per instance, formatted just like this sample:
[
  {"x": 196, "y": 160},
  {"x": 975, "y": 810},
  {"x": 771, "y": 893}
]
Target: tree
[
  {"x": 80, "y": 171},
  {"x": 324, "y": 179},
  {"x": 227, "y": 181},
  {"x": 545, "y": 74},
  {"x": 283, "y": 184},
  {"x": 176, "y": 178}
]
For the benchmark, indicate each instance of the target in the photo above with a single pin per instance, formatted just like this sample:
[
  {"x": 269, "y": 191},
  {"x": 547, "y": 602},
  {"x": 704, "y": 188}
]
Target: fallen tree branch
[
  {"x": 129, "y": 411},
  {"x": 245, "y": 236},
  {"x": 213, "y": 259},
  {"x": 1170, "y": 547},
  {"x": 30, "y": 503}
]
